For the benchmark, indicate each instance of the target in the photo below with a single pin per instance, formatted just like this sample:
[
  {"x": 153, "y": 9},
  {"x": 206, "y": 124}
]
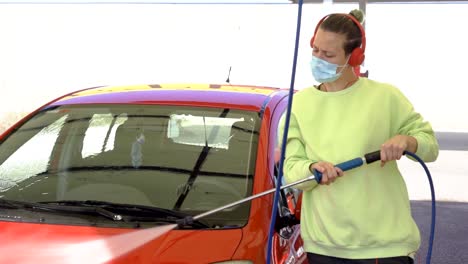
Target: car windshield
[{"x": 188, "y": 159}]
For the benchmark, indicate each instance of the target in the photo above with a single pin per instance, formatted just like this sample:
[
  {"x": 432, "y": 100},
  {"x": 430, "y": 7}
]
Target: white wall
[{"x": 50, "y": 49}]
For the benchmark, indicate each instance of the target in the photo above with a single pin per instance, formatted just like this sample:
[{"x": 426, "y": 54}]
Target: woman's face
[{"x": 329, "y": 46}]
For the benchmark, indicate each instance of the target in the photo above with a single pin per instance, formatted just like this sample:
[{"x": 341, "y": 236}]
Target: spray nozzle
[{"x": 186, "y": 221}]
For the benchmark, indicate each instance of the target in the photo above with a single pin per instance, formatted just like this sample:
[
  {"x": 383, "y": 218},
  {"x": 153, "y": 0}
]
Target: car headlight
[{"x": 234, "y": 262}]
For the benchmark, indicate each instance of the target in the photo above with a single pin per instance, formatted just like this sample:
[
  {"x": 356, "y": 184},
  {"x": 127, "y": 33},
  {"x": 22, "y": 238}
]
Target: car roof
[{"x": 247, "y": 97}]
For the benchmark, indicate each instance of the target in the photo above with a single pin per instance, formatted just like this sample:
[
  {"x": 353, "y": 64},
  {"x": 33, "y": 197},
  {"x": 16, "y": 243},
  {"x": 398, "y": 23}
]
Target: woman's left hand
[{"x": 393, "y": 148}]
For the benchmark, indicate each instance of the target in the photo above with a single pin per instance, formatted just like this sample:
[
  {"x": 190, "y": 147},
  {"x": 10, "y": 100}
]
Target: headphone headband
[{"x": 357, "y": 55}]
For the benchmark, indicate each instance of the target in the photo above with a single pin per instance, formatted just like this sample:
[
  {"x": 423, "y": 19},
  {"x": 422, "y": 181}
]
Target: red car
[{"x": 111, "y": 174}]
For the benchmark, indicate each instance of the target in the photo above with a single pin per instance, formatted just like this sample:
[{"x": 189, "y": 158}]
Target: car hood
[{"x": 53, "y": 244}]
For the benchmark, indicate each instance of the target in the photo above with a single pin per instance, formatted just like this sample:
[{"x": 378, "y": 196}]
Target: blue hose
[
  {"x": 433, "y": 205},
  {"x": 285, "y": 137}
]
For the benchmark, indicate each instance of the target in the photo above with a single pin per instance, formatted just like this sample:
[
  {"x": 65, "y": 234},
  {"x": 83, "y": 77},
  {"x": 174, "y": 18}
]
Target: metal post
[{"x": 362, "y": 6}]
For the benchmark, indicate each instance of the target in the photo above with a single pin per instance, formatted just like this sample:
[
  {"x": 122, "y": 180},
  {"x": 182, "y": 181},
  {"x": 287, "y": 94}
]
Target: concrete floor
[{"x": 451, "y": 232}]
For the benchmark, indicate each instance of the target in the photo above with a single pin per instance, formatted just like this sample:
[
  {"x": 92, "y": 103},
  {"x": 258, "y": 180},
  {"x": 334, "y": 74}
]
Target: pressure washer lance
[
  {"x": 188, "y": 220},
  {"x": 317, "y": 176}
]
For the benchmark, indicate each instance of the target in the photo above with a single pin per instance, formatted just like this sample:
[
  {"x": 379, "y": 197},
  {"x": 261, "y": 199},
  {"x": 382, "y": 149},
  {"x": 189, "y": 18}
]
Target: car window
[{"x": 190, "y": 159}]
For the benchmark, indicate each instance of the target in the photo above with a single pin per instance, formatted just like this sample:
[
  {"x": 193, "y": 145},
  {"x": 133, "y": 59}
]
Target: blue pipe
[
  {"x": 433, "y": 205},
  {"x": 285, "y": 137}
]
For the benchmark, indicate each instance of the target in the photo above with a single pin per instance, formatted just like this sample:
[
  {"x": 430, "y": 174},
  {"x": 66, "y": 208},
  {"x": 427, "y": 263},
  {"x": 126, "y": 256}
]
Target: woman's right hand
[{"x": 329, "y": 172}]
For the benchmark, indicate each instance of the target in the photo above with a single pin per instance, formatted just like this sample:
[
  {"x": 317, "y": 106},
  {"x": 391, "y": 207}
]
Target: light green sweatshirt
[{"x": 366, "y": 213}]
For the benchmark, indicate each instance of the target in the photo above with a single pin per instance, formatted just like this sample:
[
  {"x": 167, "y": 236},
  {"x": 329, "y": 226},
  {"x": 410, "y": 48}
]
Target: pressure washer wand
[
  {"x": 189, "y": 219},
  {"x": 347, "y": 165}
]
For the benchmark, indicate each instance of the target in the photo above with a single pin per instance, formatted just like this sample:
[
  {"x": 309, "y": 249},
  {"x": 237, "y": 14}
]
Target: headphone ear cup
[{"x": 357, "y": 57}]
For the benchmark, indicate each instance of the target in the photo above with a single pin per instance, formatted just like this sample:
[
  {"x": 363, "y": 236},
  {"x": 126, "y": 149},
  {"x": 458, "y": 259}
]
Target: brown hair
[{"x": 342, "y": 24}]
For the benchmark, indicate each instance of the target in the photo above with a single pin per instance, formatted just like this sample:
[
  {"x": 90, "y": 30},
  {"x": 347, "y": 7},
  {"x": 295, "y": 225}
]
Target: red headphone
[{"x": 357, "y": 55}]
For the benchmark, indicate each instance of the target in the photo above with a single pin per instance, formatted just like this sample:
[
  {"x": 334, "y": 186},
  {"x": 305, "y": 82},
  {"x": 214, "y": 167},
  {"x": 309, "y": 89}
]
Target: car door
[{"x": 287, "y": 242}]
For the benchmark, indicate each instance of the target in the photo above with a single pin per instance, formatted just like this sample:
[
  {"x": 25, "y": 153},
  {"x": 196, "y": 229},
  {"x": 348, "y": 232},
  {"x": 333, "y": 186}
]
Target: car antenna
[{"x": 229, "y": 74}]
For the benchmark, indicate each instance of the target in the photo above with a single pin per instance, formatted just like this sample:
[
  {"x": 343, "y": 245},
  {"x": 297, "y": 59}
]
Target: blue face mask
[{"x": 324, "y": 71}]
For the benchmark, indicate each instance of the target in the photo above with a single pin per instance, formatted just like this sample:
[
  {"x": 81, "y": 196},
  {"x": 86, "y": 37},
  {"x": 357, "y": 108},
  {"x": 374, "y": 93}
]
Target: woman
[{"x": 363, "y": 215}]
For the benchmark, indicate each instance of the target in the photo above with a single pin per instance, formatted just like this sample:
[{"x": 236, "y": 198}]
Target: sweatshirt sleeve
[
  {"x": 296, "y": 162},
  {"x": 411, "y": 123}
]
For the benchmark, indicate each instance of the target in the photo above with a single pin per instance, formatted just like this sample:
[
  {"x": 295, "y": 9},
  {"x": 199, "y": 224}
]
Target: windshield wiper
[
  {"x": 59, "y": 208},
  {"x": 127, "y": 212},
  {"x": 196, "y": 169},
  {"x": 10, "y": 204}
]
